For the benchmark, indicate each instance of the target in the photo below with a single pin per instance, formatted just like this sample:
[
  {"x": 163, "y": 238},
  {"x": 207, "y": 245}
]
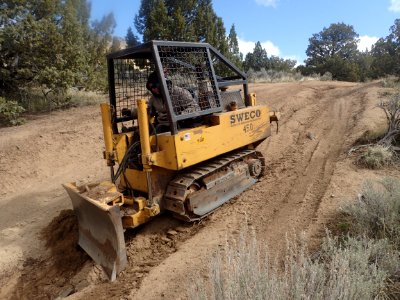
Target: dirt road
[{"x": 308, "y": 175}]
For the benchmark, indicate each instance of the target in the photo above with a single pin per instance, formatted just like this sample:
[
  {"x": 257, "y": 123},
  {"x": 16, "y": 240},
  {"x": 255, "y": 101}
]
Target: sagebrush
[
  {"x": 244, "y": 270},
  {"x": 364, "y": 264},
  {"x": 383, "y": 145},
  {"x": 376, "y": 213},
  {"x": 283, "y": 76},
  {"x": 377, "y": 156}
]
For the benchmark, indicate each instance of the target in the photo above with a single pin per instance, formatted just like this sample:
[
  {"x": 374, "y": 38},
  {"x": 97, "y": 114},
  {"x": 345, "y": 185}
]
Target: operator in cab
[{"x": 182, "y": 102}]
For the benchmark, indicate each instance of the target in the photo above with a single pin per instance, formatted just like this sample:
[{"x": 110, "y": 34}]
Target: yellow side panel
[
  {"x": 236, "y": 129},
  {"x": 227, "y": 131},
  {"x": 120, "y": 144},
  {"x": 231, "y": 130},
  {"x": 166, "y": 156},
  {"x": 137, "y": 180}
]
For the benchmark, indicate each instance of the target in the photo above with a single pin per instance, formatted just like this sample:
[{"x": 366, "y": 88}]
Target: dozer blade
[{"x": 100, "y": 227}]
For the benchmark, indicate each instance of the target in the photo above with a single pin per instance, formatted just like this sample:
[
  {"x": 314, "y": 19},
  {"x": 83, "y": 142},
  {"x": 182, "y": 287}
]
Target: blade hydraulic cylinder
[
  {"x": 143, "y": 122},
  {"x": 108, "y": 137}
]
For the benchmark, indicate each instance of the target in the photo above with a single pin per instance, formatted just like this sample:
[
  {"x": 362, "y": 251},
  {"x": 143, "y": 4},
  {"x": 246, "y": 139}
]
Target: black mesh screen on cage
[
  {"x": 231, "y": 99},
  {"x": 221, "y": 69},
  {"x": 130, "y": 77},
  {"x": 190, "y": 81}
]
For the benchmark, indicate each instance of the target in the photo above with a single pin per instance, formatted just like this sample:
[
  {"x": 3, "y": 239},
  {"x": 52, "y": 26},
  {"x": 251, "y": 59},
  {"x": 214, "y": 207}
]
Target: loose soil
[{"x": 309, "y": 174}]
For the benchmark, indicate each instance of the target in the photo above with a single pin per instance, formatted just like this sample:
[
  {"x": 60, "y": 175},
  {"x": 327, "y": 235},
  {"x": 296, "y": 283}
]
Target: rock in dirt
[
  {"x": 65, "y": 293},
  {"x": 172, "y": 232},
  {"x": 182, "y": 229},
  {"x": 165, "y": 239},
  {"x": 310, "y": 135}
]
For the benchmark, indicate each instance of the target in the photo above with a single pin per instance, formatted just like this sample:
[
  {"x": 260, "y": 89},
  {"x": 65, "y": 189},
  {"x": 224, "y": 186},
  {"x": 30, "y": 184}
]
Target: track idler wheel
[{"x": 257, "y": 166}]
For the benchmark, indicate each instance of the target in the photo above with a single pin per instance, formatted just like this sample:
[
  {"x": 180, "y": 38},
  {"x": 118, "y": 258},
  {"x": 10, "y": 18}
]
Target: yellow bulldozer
[{"x": 202, "y": 156}]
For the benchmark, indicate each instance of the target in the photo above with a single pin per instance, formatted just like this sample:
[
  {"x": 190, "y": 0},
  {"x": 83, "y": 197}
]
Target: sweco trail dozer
[{"x": 204, "y": 157}]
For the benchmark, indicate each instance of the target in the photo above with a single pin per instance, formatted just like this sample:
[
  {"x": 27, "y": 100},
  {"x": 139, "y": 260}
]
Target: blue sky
[{"x": 282, "y": 26}]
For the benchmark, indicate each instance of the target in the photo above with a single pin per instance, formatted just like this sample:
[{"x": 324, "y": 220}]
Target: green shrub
[
  {"x": 376, "y": 157},
  {"x": 377, "y": 211},
  {"x": 10, "y": 112},
  {"x": 326, "y": 77}
]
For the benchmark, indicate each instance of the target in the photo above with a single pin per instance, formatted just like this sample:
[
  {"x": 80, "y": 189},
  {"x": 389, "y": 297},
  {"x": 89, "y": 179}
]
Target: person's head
[{"x": 153, "y": 84}]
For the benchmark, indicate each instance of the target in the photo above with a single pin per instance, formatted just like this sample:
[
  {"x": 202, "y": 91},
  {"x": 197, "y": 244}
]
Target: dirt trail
[{"x": 308, "y": 174}]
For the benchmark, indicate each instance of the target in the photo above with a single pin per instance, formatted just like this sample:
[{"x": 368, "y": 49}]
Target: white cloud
[
  {"x": 248, "y": 46},
  {"x": 366, "y": 42},
  {"x": 272, "y": 3},
  {"x": 394, "y": 5}
]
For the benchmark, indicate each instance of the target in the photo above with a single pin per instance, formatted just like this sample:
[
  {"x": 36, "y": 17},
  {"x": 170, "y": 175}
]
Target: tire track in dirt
[{"x": 312, "y": 165}]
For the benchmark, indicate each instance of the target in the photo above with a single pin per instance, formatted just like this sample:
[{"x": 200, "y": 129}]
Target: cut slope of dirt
[{"x": 308, "y": 175}]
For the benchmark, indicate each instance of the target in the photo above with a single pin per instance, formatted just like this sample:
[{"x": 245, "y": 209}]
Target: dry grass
[
  {"x": 372, "y": 135},
  {"x": 377, "y": 156},
  {"x": 82, "y": 98},
  {"x": 34, "y": 101},
  {"x": 283, "y": 76},
  {"x": 382, "y": 148},
  {"x": 391, "y": 82}
]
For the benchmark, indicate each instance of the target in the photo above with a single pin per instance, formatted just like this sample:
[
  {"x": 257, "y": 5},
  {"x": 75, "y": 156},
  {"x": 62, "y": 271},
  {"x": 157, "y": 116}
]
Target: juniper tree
[
  {"x": 49, "y": 45},
  {"x": 257, "y": 59},
  {"x": 386, "y": 53},
  {"x": 334, "y": 50}
]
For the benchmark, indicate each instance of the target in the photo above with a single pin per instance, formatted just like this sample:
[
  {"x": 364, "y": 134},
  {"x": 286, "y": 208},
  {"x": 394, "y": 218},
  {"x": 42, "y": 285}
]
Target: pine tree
[
  {"x": 204, "y": 22},
  {"x": 184, "y": 9},
  {"x": 158, "y": 25},
  {"x": 179, "y": 20},
  {"x": 131, "y": 39},
  {"x": 221, "y": 42},
  {"x": 180, "y": 30},
  {"x": 233, "y": 48},
  {"x": 140, "y": 20},
  {"x": 233, "y": 43},
  {"x": 256, "y": 60}
]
